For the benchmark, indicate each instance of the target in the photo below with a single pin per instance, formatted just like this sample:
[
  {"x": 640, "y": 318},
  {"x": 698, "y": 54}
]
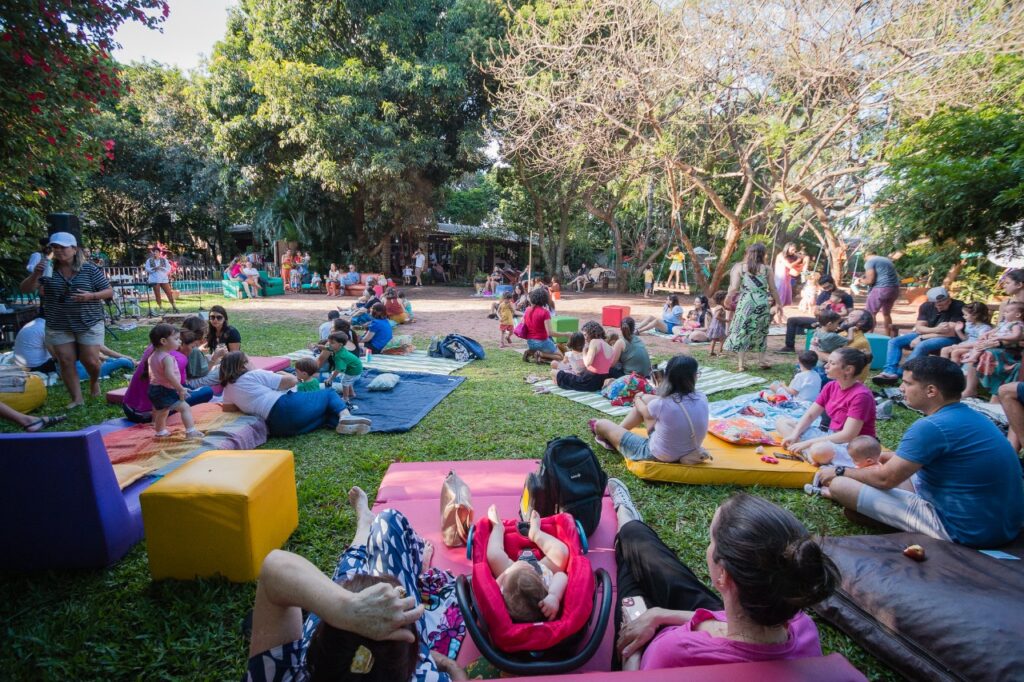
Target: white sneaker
[
  {"x": 619, "y": 493},
  {"x": 812, "y": 489},
  {"x": 352, "y": 429}
]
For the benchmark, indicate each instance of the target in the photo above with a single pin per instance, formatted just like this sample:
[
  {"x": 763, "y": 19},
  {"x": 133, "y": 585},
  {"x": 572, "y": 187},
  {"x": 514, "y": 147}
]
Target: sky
[{"x": 189, "y": 32}]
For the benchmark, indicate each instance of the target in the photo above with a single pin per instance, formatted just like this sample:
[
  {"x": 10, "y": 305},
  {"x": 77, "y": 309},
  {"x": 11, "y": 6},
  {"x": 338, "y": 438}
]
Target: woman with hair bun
[{"x": 763, "y": 563}]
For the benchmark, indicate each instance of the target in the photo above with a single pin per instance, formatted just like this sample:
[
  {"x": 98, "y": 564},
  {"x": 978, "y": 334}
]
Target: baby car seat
[{"x": 544, "y": 648}]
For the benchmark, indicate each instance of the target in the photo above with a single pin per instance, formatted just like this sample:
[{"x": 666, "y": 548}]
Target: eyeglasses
[{"x": 216, "y": 317}]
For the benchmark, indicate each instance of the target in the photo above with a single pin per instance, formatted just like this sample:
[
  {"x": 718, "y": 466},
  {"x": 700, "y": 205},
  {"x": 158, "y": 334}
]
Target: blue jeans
[
  {"x": 298, "y": 413},
  {"x": 107, "y": 368},
  {"x": 545, "y": 346},
  {"x": 894, "y": 351},
  {"x": 361, "y": 318}
]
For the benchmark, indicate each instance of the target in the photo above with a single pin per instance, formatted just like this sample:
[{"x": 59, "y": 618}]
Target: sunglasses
[{"x": 216, "y": 317}]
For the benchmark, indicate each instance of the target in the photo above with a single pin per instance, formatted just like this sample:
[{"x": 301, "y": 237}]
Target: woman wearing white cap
[
  {"x": 159, "y": 268},
  {"x": 72, "y": 300}
]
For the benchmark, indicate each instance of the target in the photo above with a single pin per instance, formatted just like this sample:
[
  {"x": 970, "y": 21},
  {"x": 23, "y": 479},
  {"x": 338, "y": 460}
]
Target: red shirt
[
  {"x": 856, "y": 402},
  {"x": 534, "y": 319},
  {"x": 393, "y": 307}
]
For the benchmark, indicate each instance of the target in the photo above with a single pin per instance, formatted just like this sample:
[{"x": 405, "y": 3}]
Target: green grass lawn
[{"x": 117, "y": 624}]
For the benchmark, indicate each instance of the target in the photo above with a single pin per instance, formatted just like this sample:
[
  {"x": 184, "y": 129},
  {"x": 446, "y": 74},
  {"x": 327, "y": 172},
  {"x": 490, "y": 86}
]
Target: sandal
[
  {"x": 541, "y": 390},
  {"x": 44, "y": 423},
  {"x": 533, "y": 378}
]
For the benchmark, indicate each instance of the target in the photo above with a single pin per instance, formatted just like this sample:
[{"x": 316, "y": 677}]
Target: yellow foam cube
[{"x": 220, "y": 514}]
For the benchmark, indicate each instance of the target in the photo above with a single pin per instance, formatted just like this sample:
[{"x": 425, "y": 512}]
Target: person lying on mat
[
  {"x": 532, "y": 589},
  {"x": 965, "y": 474},
  {"x": 262, "y": 394},
  {"x": 763, "y": 563},
  {"x": 676, "y": 420},
  {"x": 365, "y": 623},
  {"x": 598, "y": 360},
  {"x": 849, "y": 405}
]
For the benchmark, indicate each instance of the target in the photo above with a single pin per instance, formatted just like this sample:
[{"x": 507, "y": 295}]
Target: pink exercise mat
[{"x": 271, "y": 364}]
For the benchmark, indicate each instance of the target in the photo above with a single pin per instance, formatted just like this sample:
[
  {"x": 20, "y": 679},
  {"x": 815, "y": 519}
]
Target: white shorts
[{"x": 901, "y": 509}]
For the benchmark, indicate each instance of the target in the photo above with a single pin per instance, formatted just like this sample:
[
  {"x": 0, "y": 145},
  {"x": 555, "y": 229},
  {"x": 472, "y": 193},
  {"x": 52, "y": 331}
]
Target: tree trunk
[
  {"x": 953, "y": 273},
  {"x": 732, "y": 240},
  {"x": 359, "y": 219}
]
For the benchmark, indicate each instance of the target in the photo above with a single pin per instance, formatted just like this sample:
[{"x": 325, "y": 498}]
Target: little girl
[
  {"x": 297, "y": 272},
  {"x": 407, "y": 274},
  {"x": 506, "y": 320},
  {"x": 572, "y": 361},
  {"x": 717, "y": 330},
  {"x": 809, "y": 293},
  {"x": 977, "y": 315},
  {"x": 165, "y": 389}
]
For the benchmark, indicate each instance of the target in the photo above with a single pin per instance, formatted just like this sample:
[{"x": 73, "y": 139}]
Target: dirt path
[{"x": 443, "y": 310}]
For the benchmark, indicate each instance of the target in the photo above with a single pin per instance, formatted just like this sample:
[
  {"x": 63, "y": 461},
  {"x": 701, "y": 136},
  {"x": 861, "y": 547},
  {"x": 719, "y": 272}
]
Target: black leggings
[{"x": 649, "y": 569}]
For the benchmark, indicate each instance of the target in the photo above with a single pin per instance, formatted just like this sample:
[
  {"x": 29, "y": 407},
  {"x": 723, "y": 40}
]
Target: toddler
[
  {"x": 809, "y": 292},
  {"x": 165, "y": 389},
  {"x": 532, "y": 588},
  {"x": 315, "y": 281},
  {"x": 555, "y": 289},
  {"x": 806, "y": 384},
  {"x": 405, "y": 304},
  {"x": 341, "y": 361},
  {"x": 296, "y": 277},
  {"x": 307, "y": 371},
  {"x": 572, "y": 361},
  {"x": 1009, "y": 333},
  {"x": 862, "y": 452},
  {"x": 827, "y": 337},
  {"x": 835, "y": 303},
  {"x": 407, "y": 274},
  {"x": 977, "y": 318},
  {"x": 506, "y": 320},
  {"x": 648, "y": 282},
  {"x": 716, "y": 328}
]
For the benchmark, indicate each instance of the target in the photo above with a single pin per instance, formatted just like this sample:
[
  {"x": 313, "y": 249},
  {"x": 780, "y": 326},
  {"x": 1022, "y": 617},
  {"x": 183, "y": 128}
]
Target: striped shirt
[{"x": 64, "y": 314}]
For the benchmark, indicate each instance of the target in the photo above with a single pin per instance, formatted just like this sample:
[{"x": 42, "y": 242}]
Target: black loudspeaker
[{"x": 64, "y": 222}]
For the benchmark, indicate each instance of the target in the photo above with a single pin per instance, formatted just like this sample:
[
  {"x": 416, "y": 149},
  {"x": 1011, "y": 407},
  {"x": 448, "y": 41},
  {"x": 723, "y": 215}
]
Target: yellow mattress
[{"x": 732, "y": 465}]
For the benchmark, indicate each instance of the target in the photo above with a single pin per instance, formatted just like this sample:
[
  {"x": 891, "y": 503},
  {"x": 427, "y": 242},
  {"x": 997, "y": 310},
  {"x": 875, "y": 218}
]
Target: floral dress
[{"x": 749, "y": 328}]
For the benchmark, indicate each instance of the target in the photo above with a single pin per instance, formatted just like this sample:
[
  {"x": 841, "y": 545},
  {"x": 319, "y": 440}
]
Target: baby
[
  {"x": 532, "y": 588},
  {"x": 1009, "y": 333},
  {"x": 835, "y": 302},
  {"x": 862, "y": 452},
  {"x": 572, "y": 361},
  {"x": 976, "y": 324}
]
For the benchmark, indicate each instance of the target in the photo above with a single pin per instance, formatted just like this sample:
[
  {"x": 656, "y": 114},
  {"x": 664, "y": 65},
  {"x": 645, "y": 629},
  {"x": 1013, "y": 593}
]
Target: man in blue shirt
[
  {"x": 350, "y": 278},
  {"x": 966, "y": 484}
]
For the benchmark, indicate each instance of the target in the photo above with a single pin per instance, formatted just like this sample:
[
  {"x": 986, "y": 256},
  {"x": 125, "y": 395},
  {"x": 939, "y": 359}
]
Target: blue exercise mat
[{"x": 401, "y": 408}]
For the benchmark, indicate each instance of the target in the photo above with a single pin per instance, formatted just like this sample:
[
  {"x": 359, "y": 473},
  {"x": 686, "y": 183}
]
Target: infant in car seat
[{"x": 532, "y": 587}]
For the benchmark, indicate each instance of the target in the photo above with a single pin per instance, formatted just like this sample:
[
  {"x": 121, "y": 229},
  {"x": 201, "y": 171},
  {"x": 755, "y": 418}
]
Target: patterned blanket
[
  {"x": 135, "y": 453},
  {"x": 417, "y": 361}
]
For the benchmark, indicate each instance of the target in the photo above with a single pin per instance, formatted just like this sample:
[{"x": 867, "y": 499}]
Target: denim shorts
[
  {"x": 635, "y": 448},
  {"x": 163, "y": 398},
  {"x": 544, "y": 346}
]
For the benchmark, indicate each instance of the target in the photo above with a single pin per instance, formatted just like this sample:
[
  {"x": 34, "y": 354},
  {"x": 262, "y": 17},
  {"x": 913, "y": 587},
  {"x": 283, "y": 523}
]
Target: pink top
[
  {"x": 683, "y": 645},
  {"x": 603, "y": 358},
  {"x": 856, "y": 402},
  {"x": 533, "y": 320},
  {"x": 157, "y": 369},
  {"x": 137, "y": 395},
  {"x": 235, "y": 269}
]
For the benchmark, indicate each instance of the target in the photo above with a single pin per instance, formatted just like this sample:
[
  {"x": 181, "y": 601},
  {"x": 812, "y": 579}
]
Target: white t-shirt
[
  {"x": 325, "y": 329},
  {"x": 255, "y": 392},
  {"x": 420, "y": 260},
  {"x": 250, "y": 272},
  {"x": 157, "y": 269},
  {"x": 29, "y": 347},
  {"x": 807, "y": 384}
]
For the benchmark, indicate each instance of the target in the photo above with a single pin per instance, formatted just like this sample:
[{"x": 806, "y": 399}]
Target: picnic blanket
[
  {"x": 135, "y": 453},
  {"x": 416, "y": 362},
  {"x": 404, "y": 406},
  {"x": 710, "y": 381}
]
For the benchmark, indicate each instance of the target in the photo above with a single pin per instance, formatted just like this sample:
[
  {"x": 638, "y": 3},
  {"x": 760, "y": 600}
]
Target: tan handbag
[{"x": 456, "y": 510}]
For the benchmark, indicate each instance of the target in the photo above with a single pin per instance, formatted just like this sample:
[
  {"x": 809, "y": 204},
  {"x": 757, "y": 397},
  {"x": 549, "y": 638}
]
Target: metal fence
[{"x": 187, "y": 279}]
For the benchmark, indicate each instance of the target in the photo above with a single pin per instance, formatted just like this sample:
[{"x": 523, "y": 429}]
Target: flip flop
[
  {"x": 533, "y": 378},
  {"x": 44, "y": 423},
  {"x": 540, "y": 390}
]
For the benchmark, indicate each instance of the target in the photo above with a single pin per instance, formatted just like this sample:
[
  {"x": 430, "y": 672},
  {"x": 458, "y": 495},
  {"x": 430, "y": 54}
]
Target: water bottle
[
  {"x": 48, "y": 268},
  {"x": 369, "y": 355}
]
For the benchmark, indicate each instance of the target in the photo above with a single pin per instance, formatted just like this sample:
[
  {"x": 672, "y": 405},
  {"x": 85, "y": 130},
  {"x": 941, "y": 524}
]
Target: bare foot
[
  {"x": 534, "y": 523},
  {"x": 357, "y": 498},
  {"x": 94, "y": 390},
  {"x": 428, "y": 554}
]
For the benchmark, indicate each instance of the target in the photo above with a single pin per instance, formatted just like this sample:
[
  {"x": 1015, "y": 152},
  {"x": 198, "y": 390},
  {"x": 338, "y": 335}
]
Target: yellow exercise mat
[{"x": 732, "y": 465}]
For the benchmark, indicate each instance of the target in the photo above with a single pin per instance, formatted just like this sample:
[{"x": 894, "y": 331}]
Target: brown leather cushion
[{"x": 958, "y": 615}]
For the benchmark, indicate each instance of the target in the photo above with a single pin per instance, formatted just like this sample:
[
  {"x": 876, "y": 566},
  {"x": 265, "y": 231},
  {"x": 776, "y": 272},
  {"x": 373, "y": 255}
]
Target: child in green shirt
[
  {"x": 308, "y": 374},
  {"x": 342, "y": 361}
]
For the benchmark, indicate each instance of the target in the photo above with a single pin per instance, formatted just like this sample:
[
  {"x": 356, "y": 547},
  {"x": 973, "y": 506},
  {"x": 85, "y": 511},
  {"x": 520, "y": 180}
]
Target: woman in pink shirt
[
  {"x": 537, "y": 322},
  {"x": 598, "y": 360},
  {"x": 850, "y": 407},
  {"x": 761, "y": 560}
]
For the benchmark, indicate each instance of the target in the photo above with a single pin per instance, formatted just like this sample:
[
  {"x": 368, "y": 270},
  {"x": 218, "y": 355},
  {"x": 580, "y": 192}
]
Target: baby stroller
[{"x": 545, "y": 648}]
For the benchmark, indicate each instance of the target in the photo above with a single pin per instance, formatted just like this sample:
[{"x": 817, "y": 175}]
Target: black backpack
[{"x": 570, "y": 480}]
